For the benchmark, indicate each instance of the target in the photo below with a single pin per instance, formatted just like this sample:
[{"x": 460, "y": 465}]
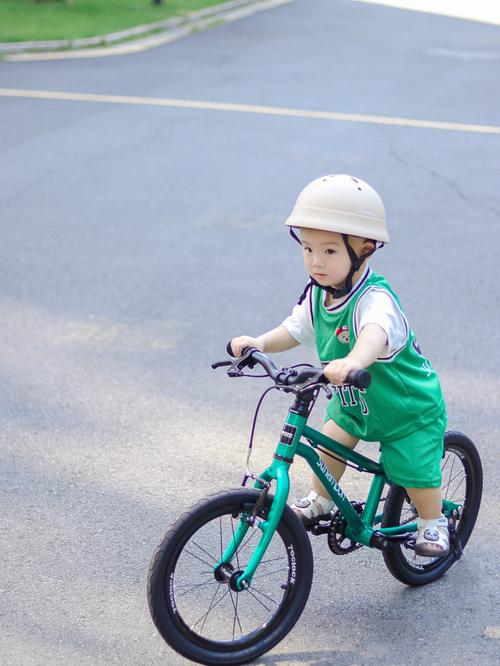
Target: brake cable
[
  {"x": 315, "y": 387},
  {"x": 248, "y": 473}
]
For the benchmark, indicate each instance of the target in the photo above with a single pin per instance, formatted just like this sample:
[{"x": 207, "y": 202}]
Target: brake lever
[
  {"x": 220, "y": 364},
  {"x": 329, "y": 394},
  {"x": 319, "y": 385},
  {"x": 235, "y": 369}
]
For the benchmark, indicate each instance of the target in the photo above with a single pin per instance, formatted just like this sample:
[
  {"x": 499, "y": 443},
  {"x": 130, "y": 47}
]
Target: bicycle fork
[
  {"x": 242, "y": 580},
  {"x": 278, "y": 471}
]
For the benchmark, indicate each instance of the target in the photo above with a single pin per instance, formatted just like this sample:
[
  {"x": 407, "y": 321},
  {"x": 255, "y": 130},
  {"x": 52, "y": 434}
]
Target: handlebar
[{"x": 360, "y": 379}]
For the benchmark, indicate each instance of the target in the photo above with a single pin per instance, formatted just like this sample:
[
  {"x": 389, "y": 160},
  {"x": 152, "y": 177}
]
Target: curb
[{"x": 170, "y": 30}]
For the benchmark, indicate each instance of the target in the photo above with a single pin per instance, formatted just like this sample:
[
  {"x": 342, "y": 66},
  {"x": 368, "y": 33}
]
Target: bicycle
[{"x": 232, "y": 575}]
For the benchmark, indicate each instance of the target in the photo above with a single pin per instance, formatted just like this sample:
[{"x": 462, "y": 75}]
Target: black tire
[
  {"x": 463, "y": 484},
  {"x": 272, "y": 604}
]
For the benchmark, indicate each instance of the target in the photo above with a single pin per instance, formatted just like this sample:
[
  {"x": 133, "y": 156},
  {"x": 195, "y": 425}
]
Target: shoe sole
[{"x": 307, "y": 522}]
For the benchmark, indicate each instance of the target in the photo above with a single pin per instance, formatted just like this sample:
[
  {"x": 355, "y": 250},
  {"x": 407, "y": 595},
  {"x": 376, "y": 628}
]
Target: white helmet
[{"x": 343, "y": 204}]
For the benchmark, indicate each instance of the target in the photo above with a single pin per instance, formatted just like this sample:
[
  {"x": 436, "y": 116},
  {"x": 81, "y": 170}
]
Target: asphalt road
[{"x": 136, "y": 240}]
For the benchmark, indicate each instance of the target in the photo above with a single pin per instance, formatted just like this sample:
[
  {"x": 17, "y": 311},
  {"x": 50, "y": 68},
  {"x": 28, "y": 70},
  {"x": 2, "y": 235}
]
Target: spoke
[
  {"x": 196, "y": 557},
  {"x": 273, "y": 559},
  {"x": 445, "y": 488},
  {"x": 407, "y": 516},
  {"x": 205, "y": 615},
  {"x": 212, "y": 606},
  {"x": 462, "y": 471},
  {"x": 267, "y": 573},
  {"x": 210, "y": 573},
  {"x": 204, "y": 551},
  {"x": 457, "y": 487},
  {"x": 461, "y": 480},
  {"x": 257, "y": 599},
  {"x": 236, "y": 616},
  {"x": 447, "y": 460},
  {"x": 264, "y": 595},
  {"x": 195, "y": 587}
]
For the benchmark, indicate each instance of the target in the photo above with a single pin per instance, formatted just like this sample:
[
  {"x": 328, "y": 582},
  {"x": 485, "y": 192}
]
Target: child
[{"x": 355, "y": 321}]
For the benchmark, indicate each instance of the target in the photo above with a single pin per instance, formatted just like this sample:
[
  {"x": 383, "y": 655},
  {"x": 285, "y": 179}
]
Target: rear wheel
[
  {"x": 198, "y": 612},
  {"x": 462, "y": 484}
]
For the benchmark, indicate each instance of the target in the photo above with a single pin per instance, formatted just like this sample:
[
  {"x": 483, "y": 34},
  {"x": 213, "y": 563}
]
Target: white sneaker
[
  {"x": 433, "y": 537},
  {"x": 312, "y": 508}
]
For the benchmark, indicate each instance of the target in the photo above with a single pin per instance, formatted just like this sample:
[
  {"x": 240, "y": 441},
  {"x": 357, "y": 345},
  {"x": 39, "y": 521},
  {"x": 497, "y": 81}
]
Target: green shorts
[{"x": 414, "y": 461}]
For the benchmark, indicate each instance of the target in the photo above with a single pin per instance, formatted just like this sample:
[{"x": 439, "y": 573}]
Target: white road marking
[
  {"x": 464, "y": 54},
  {"x": 248, "y": 108},
  {"x": 492, "y": 632}
]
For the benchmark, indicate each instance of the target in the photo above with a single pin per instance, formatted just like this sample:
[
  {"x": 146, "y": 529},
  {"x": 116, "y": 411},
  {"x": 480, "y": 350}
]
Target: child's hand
[
  {"x": 238, "y": 344},
  {"x": 337, "y": 371}
]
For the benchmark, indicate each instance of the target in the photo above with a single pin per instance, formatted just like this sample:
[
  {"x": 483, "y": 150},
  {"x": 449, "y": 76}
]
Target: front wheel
[
  {"x": 203, "y": 617},
  {"x": 462, "y": 484}
]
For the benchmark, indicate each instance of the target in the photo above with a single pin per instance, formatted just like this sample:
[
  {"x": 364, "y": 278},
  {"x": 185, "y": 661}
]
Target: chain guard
[{"x": 337, "y": 540}]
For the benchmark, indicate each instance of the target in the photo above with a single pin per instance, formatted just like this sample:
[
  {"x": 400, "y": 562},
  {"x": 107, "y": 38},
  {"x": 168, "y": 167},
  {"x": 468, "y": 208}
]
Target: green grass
[{"x": 25, "y": 20}]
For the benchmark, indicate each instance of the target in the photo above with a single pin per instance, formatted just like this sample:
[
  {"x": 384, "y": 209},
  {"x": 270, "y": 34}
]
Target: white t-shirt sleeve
[
  {"x": 377, "y": 306},
  {"x": 299, "y": 324}
]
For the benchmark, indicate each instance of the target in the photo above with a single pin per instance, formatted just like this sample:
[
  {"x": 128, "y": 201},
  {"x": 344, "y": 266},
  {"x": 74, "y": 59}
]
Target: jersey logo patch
[{"x": 342, "y": 334}]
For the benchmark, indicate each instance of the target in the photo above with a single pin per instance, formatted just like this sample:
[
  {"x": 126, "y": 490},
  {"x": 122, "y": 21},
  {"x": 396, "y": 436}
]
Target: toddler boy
[{"x": 354, "y": 319}]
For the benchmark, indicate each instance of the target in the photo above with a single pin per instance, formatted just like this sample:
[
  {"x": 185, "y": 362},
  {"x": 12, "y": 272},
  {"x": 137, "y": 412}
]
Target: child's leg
[
  {"x": 427, "y": 501},
  {"x": 319, "y": 503},
  {"x": 414, "y": 462},
  {"x": 337, "y": 468},
  {"x": 432, "y": 537}
]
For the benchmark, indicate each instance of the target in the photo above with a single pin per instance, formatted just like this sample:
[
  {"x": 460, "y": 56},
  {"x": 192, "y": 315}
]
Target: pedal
[
  {"x": 457, "y": 548},
  {"x": 455, "y": 542},
  {"x": 321, "y": 527},
  {"x": 387, "y": 541}
]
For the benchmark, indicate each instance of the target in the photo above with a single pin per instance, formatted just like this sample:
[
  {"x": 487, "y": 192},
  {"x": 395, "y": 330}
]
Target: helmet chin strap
[{"x": 356, "y": 263}]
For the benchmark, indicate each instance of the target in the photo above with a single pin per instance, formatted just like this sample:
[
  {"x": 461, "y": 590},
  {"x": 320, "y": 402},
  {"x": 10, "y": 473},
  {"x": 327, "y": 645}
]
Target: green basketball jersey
[{"x": 404, "y": 394}]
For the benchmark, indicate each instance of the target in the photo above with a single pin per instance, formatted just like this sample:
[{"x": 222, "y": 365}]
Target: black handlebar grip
[
  {"x": 230, "y": 350},
  {"x": 359, "y": 378}
]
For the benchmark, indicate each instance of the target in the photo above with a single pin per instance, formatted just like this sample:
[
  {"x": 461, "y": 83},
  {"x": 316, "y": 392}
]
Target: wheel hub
[{"x": 225, "y": 573}]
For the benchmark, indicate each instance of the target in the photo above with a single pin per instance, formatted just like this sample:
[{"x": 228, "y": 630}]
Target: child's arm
[
  {"x": 369, "y": 346},
  {"x": 277, "y": 340}
]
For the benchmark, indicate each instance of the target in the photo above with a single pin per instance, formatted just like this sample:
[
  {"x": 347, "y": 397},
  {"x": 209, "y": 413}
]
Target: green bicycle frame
[{"x": 360, "y": 528}]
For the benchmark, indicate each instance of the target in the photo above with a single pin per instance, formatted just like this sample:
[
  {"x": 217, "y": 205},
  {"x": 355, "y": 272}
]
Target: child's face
[{"x": 325, "y": 255}]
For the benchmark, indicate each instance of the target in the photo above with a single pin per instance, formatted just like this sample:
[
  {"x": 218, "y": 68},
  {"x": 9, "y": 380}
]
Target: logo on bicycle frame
[{"x": 331, "y": 478}]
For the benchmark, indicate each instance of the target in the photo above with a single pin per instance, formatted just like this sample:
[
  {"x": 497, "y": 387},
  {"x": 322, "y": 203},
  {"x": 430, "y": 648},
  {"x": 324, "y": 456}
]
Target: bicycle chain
[{"x": 336, "y": 534}]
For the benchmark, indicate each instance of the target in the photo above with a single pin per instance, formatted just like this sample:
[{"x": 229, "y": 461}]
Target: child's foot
[
  {"x": 312, "y": 508},
  {"x": 433, "y": 537}
]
